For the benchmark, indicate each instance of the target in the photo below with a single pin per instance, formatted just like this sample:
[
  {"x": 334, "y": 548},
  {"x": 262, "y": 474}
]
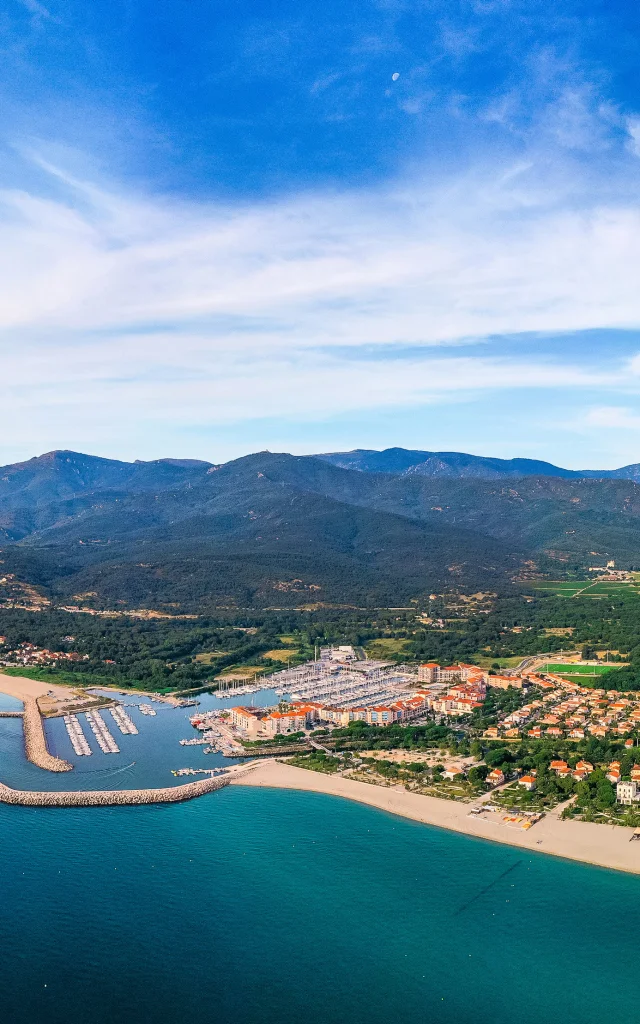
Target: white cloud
[
  {"x": 613, "y": 417},
  {"x": 633, "y": 131},
  {"x": 120, "y": 312}
]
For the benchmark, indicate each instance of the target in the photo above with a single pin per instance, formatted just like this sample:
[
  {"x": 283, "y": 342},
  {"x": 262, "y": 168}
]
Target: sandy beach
[
  {"x": 606, "y": 846},
  {"x": 21, "y": 687}
]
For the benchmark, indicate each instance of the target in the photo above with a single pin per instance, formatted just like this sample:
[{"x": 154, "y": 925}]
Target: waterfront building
[
  {"x": 627, "y": 792},
  {"x": 283, "y": 722},
  {"x": 249, "y": 720}
]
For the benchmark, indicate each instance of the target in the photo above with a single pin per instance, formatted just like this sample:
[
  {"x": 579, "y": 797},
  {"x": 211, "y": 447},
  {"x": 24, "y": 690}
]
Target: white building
[{"x": 627, "y": 792}]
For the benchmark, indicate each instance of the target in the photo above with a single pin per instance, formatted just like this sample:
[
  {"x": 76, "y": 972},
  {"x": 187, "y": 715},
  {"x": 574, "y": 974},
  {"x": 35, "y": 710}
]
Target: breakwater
[
  {"x": 116, "y": 797},
  {"x": 35, "y": 742},
  {"x": 10, "y": 714}
]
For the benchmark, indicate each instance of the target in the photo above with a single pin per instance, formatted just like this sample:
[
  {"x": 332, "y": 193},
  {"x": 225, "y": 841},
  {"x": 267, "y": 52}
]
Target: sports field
[
  {"x": 588, "y": 588},
  {"x": 582, "y": 675},
  {"x": 579, "y": 670}
]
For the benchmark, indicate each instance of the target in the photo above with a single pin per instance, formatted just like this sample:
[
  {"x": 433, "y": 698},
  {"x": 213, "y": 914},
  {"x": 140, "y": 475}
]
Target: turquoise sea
[{"x": 269, "y": 907}]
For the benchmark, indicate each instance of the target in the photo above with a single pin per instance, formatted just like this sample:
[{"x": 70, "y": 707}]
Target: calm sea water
[{"x": 269, "y": 907}]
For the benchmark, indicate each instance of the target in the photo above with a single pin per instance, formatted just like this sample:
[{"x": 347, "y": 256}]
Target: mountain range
[
  {"x": 276, "y": 530},
  {"x": 457, "y": 464}
]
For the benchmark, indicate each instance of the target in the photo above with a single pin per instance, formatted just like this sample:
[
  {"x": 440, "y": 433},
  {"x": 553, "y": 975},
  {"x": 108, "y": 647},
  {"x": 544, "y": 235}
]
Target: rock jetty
[
  {"x": 35, "y": 742},
  {"x": 116, "y": 797}
]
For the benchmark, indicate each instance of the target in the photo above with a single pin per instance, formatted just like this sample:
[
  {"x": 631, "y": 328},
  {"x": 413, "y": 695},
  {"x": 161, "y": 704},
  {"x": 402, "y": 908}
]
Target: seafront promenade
[{"x": 117, "y": 797}]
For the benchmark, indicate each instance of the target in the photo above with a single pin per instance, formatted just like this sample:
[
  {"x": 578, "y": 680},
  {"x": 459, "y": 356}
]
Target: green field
[
  {"x": 576, "y": 672},
  {"x": 587, "y": 588},
  {"x": 484, "y": 660},
  {"x": 386, "y": 647}
]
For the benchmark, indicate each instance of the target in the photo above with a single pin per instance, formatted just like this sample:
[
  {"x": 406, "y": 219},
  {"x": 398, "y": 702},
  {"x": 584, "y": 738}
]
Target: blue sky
[{"x": 239, "y": 225}]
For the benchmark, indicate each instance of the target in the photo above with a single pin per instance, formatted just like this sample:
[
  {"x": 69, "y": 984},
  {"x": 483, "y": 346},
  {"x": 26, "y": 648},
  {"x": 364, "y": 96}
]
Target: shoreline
[{"x": 600, "y": 845}]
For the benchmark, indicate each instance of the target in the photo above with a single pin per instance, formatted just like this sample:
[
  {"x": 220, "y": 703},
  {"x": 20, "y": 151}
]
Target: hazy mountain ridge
[
  {"x": 239, "y": 533},
  {"x": 276, "y": 528},
  {"x": 458, "y": 464}
]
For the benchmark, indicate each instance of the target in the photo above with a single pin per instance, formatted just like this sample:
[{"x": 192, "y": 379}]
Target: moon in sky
[{"x": 395, "y": 76}]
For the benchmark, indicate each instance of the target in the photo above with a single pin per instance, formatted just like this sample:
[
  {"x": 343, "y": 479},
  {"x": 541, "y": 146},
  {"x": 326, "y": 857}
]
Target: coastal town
[{"x": 551, "y": 743}]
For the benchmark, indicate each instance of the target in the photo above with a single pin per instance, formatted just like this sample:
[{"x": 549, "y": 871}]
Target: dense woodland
[{"x": 184, "y": 653}]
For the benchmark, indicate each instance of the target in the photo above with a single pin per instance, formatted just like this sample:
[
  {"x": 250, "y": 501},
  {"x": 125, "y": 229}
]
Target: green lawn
[
  {"x": 386, "y": 647},
  {"x": 484, "y": 660}
]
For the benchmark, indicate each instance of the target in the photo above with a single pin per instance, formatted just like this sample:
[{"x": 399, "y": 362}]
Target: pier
[
  {"x": 105, "y": 740},
  {"x": 76, "y": 735},
  {"x": 114, "y": 798},
  {"x": 123, "y": 721}
]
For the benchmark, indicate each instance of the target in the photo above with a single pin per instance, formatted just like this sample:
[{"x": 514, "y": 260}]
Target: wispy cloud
[
  {"x": 34, "y": 7},
  {"x": 613, "y": 417},
  {"x": 487, "y": 253},
  {"x": 121, "y": 311}
]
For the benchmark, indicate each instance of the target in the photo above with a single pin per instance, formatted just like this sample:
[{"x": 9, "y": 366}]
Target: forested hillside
[{"x": 273, "y": 530}]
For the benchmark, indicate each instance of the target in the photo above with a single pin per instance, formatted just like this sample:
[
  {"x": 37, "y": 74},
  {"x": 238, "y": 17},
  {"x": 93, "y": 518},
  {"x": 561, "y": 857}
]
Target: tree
[{"x": 606, "y": 796}]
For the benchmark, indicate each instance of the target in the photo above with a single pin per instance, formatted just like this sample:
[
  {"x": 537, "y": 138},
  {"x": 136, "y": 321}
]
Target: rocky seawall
[
  {"x": 117, "y": 797},
  {"x": 35, "y": 742}
]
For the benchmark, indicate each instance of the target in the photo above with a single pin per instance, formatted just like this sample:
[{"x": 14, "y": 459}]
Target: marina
[
  {"x": 147, "y": 709},
  {"x": 78, "y": 739},
  {"x": 105, "y": 740},
  {"x": 123, "y": 721},
  {"x": 345, "y": 684}
]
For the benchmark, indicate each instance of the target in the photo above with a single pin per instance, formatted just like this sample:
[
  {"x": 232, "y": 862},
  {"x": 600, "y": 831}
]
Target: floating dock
[
  {"x": 105, "y": 740},
  {"x": 122, "y": 720},
  {"x": 78, "y": 739}
]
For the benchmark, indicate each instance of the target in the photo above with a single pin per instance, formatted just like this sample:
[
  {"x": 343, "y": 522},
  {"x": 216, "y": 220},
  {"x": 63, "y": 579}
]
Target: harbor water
[{"x": 143, "y": 760}]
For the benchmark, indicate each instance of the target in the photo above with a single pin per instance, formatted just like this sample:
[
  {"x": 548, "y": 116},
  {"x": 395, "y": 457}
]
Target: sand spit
[{"x": 604, "y": 845}]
